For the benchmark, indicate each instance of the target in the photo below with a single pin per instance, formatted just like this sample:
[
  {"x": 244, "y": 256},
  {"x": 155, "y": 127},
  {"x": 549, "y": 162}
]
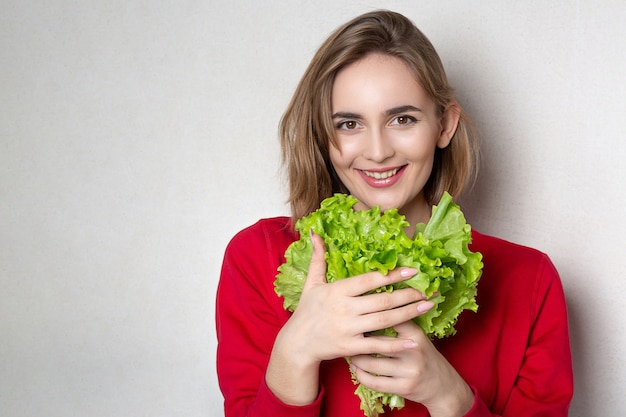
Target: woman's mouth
[
  {"x": 382, "y": 178},
  {"x": 381, "y": 175}
]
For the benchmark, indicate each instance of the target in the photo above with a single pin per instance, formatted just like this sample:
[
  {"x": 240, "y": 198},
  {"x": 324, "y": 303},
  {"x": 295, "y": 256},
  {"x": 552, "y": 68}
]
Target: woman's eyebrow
[
  {"x": 346, "y": 115},
  {"x": 394, "y": 110},
  {"x": 402, "y": 109}
]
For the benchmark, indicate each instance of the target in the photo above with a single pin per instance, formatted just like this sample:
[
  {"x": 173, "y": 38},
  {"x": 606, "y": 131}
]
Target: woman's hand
[
  {"x": 331, "y": 321},
  {"x": 420, "y": 374}
]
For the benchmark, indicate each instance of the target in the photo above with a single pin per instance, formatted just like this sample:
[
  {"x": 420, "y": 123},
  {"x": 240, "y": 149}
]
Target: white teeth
[{"x": 381, "y": 175}]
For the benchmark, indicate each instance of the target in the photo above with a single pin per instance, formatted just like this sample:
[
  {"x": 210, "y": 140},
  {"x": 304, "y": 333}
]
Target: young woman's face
[{"x": 387, "y": 129}]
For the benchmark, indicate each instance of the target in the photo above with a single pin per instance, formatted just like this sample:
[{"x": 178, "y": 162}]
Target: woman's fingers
[
  {"x": 389, "y": 300},
  {"x": 419, "y": 372},
  {"x": 369, "y": 281},
  {"x": 411, "y": 342},
  {"x": 374, "y": 319},
  {"x": 317, "y": 265}
]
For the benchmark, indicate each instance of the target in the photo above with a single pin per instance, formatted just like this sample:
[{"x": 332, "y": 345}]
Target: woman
[{"x": 374, "y": 116}]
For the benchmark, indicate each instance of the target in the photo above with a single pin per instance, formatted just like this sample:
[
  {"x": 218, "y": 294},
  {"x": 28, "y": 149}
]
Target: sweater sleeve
[
  {"x": 544, "y": 383},
  {"x": 248, "y": 317}
]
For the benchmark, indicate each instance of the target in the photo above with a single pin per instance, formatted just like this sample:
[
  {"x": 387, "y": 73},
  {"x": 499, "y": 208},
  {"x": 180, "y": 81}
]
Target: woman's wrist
[
  {"x": 291, "y": 376},
  {"x": 457, "y": 403}
]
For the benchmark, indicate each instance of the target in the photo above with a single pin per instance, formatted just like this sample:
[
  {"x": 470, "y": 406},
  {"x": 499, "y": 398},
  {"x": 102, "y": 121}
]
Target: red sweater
[{"x": 514, "y": 353}]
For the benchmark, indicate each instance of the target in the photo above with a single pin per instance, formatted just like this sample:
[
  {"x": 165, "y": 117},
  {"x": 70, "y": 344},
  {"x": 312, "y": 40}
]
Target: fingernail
[
  {"x": 425, "y": 306},
  {"x": 311, "y": 236},
  {"x": 408, "y": 272}
]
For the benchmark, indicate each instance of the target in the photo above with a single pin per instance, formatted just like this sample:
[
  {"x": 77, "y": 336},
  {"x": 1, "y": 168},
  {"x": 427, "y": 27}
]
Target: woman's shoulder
[
  {"x": 267, "y": 232},
  {"x": 510, "y": 262},
  {"x": 497, "y": 247},
  {"x": 269, "y": 225}
]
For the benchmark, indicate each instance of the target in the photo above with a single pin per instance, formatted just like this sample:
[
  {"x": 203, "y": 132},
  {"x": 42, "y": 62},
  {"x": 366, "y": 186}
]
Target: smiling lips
[{"x": 382, "y": 178}]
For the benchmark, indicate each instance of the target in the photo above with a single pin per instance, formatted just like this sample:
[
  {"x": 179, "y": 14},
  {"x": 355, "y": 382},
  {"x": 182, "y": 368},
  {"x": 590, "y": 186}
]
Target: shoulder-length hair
[{"x": 306, "y": 128}]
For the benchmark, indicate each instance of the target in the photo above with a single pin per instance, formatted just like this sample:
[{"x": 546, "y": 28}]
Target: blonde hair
[{"x": 306, "y": 128}]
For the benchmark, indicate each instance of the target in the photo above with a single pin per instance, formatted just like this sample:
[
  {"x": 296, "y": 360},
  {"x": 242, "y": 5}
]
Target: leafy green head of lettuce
[{"x": 370, "y": 240}]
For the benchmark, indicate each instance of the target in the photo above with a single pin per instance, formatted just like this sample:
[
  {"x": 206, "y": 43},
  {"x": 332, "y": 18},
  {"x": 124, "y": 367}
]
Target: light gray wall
[{"x": 136, "y": 137}]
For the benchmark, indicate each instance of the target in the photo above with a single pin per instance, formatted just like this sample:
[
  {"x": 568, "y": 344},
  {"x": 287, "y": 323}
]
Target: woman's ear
[{"x": 449, "y": 123}]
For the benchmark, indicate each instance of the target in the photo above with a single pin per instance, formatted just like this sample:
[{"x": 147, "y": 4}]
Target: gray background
[{"x": 136, "y": 137}]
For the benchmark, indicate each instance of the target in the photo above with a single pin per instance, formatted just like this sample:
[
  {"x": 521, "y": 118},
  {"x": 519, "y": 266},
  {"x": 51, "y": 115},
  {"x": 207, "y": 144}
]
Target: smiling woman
[
  {"x": 374, "y": 117},
  {"x": 311, "y": 117},
  {"x": 388, "y": 129}
]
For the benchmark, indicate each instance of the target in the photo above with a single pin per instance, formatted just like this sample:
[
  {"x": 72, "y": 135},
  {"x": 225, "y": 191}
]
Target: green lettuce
[{"x": 368, "y": 240}]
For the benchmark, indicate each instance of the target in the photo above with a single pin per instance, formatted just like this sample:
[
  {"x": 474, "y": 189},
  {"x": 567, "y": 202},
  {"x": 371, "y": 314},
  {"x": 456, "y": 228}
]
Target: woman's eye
[
  {"x": 403, "y": 120},
  {"x": 348, "y": 125}
]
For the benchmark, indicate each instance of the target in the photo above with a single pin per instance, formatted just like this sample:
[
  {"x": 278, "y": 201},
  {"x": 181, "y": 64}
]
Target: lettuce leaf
[{"x": 368, "y": 240}]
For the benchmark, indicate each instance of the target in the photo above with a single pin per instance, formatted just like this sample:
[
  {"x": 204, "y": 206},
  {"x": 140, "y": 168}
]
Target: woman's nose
[{"x": 378, "y": 147}]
